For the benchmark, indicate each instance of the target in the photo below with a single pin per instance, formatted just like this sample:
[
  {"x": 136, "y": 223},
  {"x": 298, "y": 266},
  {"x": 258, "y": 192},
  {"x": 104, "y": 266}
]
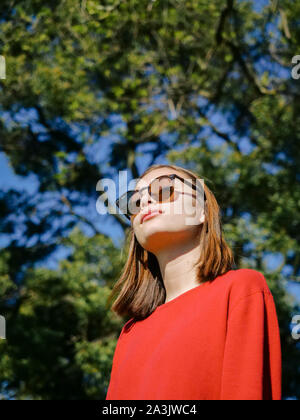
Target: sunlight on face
[{"x": 172, "y": 223}]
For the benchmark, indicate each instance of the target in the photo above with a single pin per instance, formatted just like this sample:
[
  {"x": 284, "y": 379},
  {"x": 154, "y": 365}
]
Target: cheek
[
  {"x": 183, "y": 206},
  {"x": 177, "y": 215},
  {"x": 188, "y": 212}
]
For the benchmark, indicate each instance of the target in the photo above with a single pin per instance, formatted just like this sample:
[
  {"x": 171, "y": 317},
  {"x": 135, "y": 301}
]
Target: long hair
[{"x": 140, "y": 288}]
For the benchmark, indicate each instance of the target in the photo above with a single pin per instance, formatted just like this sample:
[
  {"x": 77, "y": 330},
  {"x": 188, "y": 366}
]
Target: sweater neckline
[
  {"x": 177, "y": 298},
  {"x": 186, "y": 293}
]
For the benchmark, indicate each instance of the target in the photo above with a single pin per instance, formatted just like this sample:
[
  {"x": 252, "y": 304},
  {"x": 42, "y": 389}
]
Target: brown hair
[{"x": 140, "y": 287}]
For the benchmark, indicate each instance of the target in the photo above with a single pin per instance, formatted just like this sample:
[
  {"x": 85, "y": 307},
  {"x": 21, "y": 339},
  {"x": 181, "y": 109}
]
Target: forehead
[{"x": 146, "y": 180}]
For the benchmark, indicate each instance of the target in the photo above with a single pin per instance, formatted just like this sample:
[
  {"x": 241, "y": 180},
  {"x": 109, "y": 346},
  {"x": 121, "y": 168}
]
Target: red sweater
[{"x": 217, "y": 341}]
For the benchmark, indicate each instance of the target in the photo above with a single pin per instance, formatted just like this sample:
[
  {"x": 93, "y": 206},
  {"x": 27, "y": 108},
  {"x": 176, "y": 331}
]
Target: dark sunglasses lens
[
  {"x": 162, "y": 189},
  {"x": 129, "y": 203},
  {"x": 134, "y": 203},
  {"x": 122, "y": 203}
]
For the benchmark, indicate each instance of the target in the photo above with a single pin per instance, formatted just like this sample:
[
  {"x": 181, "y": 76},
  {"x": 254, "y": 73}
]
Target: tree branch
[{"x": 225, "y": 13}]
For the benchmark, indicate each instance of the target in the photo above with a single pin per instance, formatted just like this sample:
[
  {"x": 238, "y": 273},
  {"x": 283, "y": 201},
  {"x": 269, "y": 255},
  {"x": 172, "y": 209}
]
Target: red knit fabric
[{"x": 217, "y": 341}]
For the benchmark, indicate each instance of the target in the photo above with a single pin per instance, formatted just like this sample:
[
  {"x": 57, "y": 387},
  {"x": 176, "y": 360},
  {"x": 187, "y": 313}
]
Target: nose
[{"x": 146, "y": 199}]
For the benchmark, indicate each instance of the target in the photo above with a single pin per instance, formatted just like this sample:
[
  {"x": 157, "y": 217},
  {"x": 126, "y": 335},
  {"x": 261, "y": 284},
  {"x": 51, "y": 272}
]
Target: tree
[
  {"x": 60, "y": 335},
  {"x": 204, "y": 83}
]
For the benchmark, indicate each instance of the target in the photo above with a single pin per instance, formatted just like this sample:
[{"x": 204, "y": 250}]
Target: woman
[{"x": 198, "y": 329}]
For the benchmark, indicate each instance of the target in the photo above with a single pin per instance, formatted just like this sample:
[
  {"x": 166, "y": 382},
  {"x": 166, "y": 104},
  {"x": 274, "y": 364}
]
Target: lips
[{"x": 150, "y": 214}]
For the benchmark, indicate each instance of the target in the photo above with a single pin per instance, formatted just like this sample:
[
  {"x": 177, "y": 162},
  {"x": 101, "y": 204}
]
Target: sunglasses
[{"x": 161, "y": 189}]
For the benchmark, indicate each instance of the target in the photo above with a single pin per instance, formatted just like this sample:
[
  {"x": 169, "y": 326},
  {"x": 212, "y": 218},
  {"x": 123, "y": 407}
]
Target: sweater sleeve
[
  {"x": 113, "y": 373},
  {"x": 252, "y": 357}
]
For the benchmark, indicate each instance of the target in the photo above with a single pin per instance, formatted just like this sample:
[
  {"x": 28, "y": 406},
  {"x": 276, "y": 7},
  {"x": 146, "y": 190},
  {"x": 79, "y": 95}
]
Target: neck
[{"x": 177, "y": 268}]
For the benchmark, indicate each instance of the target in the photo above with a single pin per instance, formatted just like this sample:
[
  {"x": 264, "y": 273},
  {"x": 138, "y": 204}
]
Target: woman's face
[{"x": 175, "y": 222}]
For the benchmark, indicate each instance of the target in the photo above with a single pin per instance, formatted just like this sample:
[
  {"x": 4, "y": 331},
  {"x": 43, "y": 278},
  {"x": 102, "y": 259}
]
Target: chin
[{"x": 156, "y": 240}]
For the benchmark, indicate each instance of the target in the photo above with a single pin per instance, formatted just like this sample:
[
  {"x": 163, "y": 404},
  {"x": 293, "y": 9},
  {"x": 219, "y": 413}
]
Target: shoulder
[
  {"x": 247, "y": 281},
  {"x": 237, "y": 284}
]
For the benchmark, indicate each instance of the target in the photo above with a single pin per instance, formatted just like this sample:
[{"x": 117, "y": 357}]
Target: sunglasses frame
[{"x": 171, "y": 176}]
